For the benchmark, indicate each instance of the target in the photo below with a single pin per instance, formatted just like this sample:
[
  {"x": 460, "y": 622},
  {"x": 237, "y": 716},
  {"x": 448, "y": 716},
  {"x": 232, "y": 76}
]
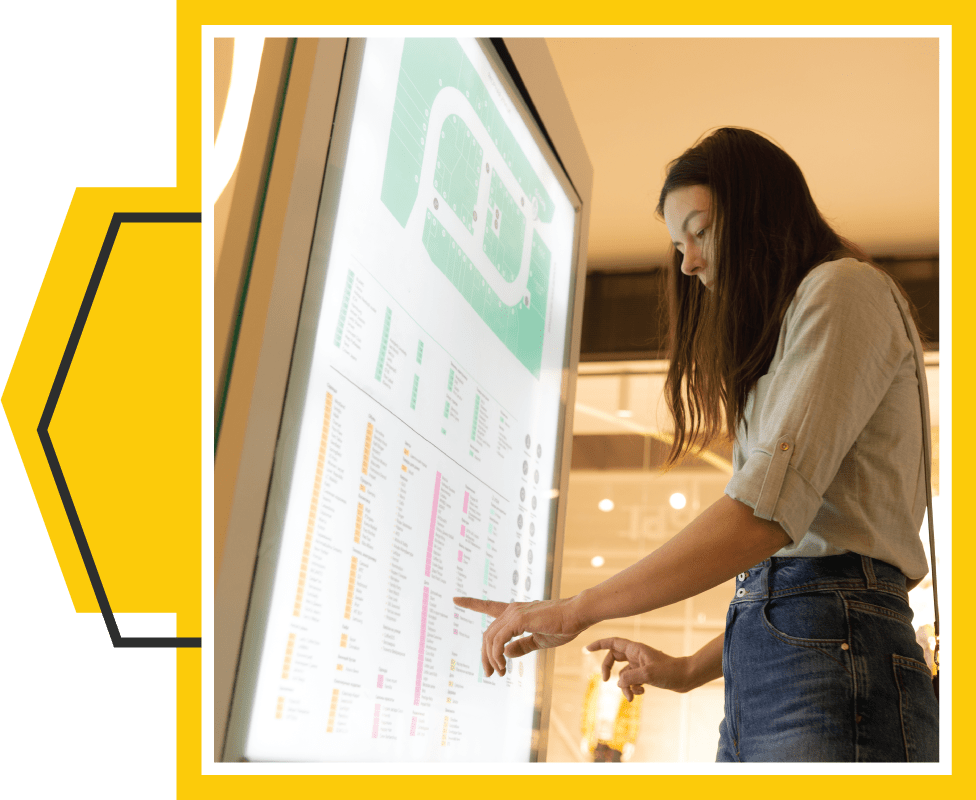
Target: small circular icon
[
  {"x": 538, "y": 450},
  {"x": 436, "y": 204},
  {"x": 528, "y": 555},
  {"x": 518, "y": 549},
  {"x": 537, "y": 476},
  {"x": 533, "y": 501},
  {"x": 474, "y": 215},
  {"x": 528, "y": 441},
  {"x": 515, "y": 578},
  {"x": 522, "y": 496},
  {"x": 520, "y": 521},
  {"x": 525, "y": 467},
  {"x": 531, "y": 528},
  {"x": 528, "y": 584}
]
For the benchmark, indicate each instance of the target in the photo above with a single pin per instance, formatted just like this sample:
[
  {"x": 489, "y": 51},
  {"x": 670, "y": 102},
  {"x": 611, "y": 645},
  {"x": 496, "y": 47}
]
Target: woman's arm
[
  {"x": 725, "y": 539},
  {"x": 650, "y": 666},
  {"x": 706, "y": 664}
]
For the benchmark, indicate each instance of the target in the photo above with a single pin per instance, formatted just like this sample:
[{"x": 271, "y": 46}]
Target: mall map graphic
[{"x": 481, "y": 205}]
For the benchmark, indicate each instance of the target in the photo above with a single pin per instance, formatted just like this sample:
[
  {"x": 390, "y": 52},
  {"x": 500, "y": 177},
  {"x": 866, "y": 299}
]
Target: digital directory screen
[{"x": 420, "y": 441}]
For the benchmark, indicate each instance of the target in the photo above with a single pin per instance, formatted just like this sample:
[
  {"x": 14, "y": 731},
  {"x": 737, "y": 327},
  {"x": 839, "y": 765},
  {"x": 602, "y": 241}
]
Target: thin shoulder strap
[{"x": 923, "y": 396}]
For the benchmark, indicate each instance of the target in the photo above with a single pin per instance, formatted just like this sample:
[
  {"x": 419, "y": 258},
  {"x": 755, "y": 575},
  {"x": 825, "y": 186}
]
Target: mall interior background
[{"x": 861, "y": 118}]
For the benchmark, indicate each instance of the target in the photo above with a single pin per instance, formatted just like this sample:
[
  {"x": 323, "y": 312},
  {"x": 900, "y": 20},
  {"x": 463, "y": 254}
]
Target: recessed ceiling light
[
  {"x": 677, "y": 500},
  {"x": 597, "y": 561},
  {"x": 606, "y": 504}
]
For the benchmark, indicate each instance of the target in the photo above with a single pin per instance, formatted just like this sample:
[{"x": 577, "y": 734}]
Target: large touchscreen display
[{"x": 423, "y": 463}]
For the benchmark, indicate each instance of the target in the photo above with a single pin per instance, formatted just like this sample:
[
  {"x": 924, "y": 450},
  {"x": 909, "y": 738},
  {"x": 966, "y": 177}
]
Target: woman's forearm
[
  {"x": 725, "y": 539},
  {"x": 706, "y": 664}
]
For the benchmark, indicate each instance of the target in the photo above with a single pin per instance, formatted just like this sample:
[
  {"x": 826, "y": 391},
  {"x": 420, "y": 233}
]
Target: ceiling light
[
  {"x": 597, "y": 561},
  {"x": 606, "y": 504},
  {"x": 677, "y": 500},
  {"x": 625, "y": 413}
]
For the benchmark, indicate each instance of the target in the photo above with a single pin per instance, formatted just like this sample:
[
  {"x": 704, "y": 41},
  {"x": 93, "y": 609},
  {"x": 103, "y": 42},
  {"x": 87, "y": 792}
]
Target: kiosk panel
[{"x": 420, "y": 441}]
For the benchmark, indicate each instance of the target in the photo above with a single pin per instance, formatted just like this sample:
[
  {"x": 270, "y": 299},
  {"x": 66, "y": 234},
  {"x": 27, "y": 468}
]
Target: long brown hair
[{"x": 767, "y": 235}]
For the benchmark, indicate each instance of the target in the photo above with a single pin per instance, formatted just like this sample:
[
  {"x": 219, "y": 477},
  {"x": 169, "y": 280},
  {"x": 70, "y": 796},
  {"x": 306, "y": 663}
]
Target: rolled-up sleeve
[{"x": 840, "y": 347}]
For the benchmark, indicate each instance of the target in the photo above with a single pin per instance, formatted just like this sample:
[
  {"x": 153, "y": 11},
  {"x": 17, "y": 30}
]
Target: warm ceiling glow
[
  {"x": 677, "y": 500},
  {"x": 606, "y": 504},
  {"x": 597, "y": 561},
  {"x": 233, "y": 125},
  {"x": 625, "y": 413}
]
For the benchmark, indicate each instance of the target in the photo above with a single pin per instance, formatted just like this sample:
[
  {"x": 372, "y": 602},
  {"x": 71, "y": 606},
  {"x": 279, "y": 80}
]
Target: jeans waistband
[{"x": 777, "y": 577}]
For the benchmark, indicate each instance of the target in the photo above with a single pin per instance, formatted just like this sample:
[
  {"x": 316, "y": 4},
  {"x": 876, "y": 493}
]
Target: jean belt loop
[
  {"x": 765, "y": 572},
  {"x": 867, "y": 565}
]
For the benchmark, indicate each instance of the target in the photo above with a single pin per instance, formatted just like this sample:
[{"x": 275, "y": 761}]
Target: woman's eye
[{"x": 701, "y": 233}]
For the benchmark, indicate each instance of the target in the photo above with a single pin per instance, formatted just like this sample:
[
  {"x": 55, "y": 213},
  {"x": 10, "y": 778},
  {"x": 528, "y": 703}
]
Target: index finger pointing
[
  {"x": 622, "y": 649},
  {"x": 491, "y": 607},
  {"x": 613, "y": 643}
]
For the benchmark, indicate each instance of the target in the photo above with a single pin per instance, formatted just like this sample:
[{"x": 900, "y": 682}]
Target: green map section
[
  {"x": 427, "y": 67},
  {"x": 458, "y": 170},
  {"x": 381, "y": 360},
  {"x": 474, "y": 422},
  {"x": 505, "y": 233},
  {"x": 522, "y": 327}
]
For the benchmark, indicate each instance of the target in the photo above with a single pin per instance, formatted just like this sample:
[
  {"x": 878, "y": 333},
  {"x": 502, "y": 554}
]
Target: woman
[{"x": 781, "y": 333}]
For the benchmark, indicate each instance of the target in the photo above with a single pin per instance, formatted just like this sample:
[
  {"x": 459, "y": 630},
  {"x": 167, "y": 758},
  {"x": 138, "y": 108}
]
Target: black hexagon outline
[{"x": 52, "y": 459}]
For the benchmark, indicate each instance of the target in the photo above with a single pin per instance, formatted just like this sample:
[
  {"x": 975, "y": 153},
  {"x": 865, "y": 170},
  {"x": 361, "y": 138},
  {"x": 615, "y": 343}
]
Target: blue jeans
[{"x": 821, "y": 664}]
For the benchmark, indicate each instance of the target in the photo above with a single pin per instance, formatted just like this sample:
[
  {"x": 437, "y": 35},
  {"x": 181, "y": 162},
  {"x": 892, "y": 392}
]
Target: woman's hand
[
  {"x": 644, "y": 665},
  {"x": 549, "y": 623}
]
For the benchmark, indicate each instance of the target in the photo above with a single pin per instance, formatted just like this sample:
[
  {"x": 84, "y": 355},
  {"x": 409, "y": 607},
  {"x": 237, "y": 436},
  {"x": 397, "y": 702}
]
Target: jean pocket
[
  {"x": 893, "y": 608},
  {"x": 918, "y": 708},
  {"x": 807, "y": 620}
]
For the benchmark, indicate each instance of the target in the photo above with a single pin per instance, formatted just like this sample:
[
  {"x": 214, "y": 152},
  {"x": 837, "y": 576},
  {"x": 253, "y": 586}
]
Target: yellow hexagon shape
[{"x": 103, "y": 400}]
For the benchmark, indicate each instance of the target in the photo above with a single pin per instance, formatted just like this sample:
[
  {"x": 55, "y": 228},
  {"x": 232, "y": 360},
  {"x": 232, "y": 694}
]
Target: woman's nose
[{"x": 691, "y": 262}]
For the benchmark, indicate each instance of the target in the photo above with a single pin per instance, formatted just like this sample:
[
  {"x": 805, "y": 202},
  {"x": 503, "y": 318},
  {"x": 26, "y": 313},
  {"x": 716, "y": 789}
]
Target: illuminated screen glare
[{"x": 425, "y": 437}]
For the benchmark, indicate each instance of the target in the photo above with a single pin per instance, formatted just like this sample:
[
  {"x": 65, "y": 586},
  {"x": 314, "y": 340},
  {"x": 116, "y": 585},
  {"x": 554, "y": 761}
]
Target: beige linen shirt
[{"x": 831, "y": 443}]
